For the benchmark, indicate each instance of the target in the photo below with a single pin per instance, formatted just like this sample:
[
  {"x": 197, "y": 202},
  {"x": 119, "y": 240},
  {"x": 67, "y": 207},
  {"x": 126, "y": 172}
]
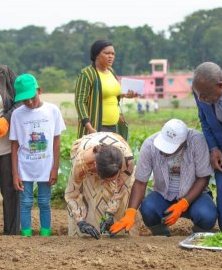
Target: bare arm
[
  {"x": 199, "y": 185},
  {"x": 55, "y": 168},
  {"x": 90, "y": 128},
  {"x": 17, "y": 182}
]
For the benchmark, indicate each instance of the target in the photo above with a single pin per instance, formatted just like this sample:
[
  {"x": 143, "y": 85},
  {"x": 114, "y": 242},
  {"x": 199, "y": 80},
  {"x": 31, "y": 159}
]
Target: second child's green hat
[{"x": 25, "y": 87}]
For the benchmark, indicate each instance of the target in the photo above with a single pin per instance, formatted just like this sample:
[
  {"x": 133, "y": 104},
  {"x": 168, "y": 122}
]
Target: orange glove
[
  {"x": 3, "y": 126},
  {"x": 126, "y": 222},
  {"x": 175, "y": 211}
]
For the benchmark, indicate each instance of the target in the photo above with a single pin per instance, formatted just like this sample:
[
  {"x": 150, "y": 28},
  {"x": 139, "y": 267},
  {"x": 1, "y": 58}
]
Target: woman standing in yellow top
[{"x": 97, "y": 92}]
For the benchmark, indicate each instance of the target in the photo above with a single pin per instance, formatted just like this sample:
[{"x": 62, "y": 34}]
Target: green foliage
[
  {"x": 196, "y": 38},
  {"x": 153, "y": 121},
  {"x": 67, "y": 139},
  {"x": 67, "y": 109},
  {"x": 136, "y": 138},
  {"x": 211, "y": 240},
  {"x": 66, "y": 104},
  {"x": 175, "y": 103},
  {"x": 63, "y": 176},
  {"x": 67, "y": 48},
  {"x": 55, "y": 80}
]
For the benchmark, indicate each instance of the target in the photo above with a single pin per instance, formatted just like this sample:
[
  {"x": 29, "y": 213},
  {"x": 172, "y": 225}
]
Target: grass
[{"x": 154, "y": 121}]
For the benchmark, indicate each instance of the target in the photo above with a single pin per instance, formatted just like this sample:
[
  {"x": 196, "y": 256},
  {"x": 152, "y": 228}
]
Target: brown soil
[{"x": 62, "y": 252}]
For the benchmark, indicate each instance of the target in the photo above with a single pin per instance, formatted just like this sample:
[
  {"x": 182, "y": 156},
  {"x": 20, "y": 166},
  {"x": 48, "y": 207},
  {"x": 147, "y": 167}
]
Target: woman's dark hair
[
  {"x": 109, "y": 160},
  {"x": 97, "y": 47}
]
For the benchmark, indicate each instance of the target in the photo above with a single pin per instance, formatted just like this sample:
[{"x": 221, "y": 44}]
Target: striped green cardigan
[{"x": 88, "y": 99}]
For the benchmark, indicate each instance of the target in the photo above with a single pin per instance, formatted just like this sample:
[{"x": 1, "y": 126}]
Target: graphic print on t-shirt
[{"x": 38, "y": 142}]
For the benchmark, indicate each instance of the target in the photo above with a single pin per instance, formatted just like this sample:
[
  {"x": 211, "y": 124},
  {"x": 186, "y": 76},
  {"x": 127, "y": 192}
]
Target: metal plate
[{"x": 190, "y": 242}]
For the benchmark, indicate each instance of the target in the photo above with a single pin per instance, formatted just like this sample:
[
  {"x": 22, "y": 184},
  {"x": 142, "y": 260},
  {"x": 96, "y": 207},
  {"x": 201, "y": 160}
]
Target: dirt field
[{"x": 62, "y": 252}]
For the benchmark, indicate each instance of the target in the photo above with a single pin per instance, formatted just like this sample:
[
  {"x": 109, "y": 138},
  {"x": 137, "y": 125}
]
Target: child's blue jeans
[{"x": 26, "y": 203}]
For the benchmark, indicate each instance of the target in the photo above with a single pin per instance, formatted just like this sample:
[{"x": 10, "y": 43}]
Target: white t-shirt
[{"x": 34, "y": 129}]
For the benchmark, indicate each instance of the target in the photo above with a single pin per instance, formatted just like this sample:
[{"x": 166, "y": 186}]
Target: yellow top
[{"x": 110, "y": 91}]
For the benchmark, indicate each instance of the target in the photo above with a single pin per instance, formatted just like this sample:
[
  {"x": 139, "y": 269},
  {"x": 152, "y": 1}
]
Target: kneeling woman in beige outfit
[{"x": 100, "y": 182}]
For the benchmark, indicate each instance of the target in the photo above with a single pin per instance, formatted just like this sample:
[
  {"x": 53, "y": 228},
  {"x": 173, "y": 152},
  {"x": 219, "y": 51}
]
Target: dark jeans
[
  {"x": 202, "y": 211},
  {"x": 10, "y": 197},
  {"x": 218, "y": 178},
  {"x": 109, "y": 128}
]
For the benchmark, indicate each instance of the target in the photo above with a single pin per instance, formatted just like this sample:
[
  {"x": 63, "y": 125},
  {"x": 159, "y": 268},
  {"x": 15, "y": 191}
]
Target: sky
[{"x": 159, "y": 14}]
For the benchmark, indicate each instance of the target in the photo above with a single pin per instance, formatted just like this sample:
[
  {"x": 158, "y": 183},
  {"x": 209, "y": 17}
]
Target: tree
[
  {"x": 192, "y": 40},
  {"x": 55, "y": 80}
]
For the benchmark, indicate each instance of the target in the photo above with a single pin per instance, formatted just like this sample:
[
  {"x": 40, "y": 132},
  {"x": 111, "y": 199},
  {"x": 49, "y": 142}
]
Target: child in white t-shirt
[{"x": 35, "y": 134}]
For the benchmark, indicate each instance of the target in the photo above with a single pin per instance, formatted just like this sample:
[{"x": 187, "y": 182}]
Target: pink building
[{"x": 161, "y": 84}]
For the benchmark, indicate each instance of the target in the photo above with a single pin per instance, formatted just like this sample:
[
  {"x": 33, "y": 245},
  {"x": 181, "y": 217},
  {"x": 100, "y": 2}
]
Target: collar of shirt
[{"x": 218, "y": 109}]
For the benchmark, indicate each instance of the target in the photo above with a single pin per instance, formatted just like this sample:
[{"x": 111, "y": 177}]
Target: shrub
[{"x": 175, "y": 103}]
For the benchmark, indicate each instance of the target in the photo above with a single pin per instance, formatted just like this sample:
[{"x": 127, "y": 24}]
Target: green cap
[{"x": 25, "y": 87}]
